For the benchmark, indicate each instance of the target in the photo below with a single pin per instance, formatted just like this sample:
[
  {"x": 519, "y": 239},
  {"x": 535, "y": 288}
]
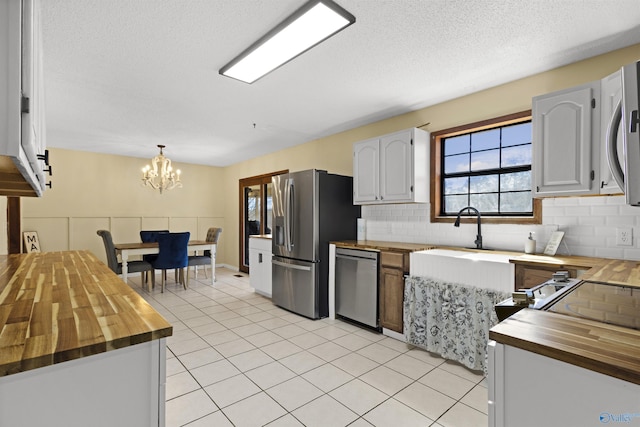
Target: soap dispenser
[{"x": 530, "y": 244}]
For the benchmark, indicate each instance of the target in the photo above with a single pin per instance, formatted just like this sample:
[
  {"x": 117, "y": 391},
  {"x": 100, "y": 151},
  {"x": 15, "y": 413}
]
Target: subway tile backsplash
[{"x": 589, "y": 224}]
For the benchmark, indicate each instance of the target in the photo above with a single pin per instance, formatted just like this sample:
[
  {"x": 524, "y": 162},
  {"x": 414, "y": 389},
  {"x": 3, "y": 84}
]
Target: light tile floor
[{"x": 235, "y": 359}]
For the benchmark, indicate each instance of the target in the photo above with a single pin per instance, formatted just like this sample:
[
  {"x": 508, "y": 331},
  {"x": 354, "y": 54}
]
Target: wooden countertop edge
[
  {"x": 41, "y": 361},
  {"x": 522, "y": 330}
]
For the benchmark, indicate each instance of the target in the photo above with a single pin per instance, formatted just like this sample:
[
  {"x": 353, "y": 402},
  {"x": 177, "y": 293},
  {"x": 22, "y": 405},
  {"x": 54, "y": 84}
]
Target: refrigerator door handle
[
  {"x": 612, "y": 146},
  {"x": 288, "y": 214},
  {"x": 293, "y": 266},
  {"x": 292, "y": 203},
  {"x": 287, "y": 218}
]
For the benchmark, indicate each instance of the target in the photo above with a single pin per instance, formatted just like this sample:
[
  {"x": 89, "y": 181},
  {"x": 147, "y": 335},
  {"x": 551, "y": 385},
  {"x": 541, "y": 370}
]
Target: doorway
[{"x": 255, "y": 212}]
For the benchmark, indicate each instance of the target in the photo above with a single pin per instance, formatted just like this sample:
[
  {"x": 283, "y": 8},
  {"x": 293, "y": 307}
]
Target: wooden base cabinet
[
  {"x": 393, "y": 267},
  {"x": 529, "y": 276}
]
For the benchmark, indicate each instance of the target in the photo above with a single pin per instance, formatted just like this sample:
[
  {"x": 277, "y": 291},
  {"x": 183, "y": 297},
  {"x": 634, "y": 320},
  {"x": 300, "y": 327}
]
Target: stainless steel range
[
  {"x": 603, "y": 302},
  {"x": 538, "y": 298}
]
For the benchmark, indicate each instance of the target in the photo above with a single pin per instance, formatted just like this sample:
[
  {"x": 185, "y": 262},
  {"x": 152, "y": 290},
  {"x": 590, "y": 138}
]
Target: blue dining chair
[
  {"x": 150, "y": 236},
  {"x": 172, "y": 254}
]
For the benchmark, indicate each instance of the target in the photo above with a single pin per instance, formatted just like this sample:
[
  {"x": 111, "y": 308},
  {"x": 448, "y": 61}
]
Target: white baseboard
[
  {"x": 393, "y": 334},
  {"x": 228, "y": 267}
]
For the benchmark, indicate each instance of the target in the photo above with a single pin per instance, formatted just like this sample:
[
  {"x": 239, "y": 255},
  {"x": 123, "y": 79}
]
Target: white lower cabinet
[
  {"x": 260, "y": 265},
  {"x": 530, "y": 390},
  {"x": 122, "y": 387}
]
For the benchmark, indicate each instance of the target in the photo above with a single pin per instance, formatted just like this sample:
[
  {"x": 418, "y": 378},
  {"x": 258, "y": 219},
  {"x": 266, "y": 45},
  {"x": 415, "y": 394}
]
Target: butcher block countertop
[
  {"x": 559, "y": 261},
  {"x": 59, "y": 306},
  {"x": 600, "y": 347},
  {"x": 615, "y": 271}
]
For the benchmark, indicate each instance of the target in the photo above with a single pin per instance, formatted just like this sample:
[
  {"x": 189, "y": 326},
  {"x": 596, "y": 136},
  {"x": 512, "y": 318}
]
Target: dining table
[{"x": 148, "y": 248}]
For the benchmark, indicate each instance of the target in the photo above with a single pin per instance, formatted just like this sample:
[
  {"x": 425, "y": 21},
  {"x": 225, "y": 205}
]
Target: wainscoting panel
[
  {"x": 53, "y": 233},
  {"x": 83, "y": 235},
  {"x": 155, "y": 223},
  {"x": 179, "y": 224},
  {"x": 125, "y": 229},
  {"x": 78, "y": 233}
]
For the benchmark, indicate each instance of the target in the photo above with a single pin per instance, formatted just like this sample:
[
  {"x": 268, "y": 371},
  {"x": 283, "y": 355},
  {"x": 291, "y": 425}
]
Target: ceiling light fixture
[
  {"x": 313, "y": 23},
  {"x": 165, "y": 179}
]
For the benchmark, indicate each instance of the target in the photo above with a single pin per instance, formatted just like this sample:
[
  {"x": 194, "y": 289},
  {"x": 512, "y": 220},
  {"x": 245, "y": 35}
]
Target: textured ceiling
[{"x": 125, "y": 75}]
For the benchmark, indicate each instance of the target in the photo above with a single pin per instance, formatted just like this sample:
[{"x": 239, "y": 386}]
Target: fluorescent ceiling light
[{"x": 314, "y": 22}]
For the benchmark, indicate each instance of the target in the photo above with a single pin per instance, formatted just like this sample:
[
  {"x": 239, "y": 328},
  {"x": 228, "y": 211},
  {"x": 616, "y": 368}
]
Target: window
[{"x": 486, "y": 165}]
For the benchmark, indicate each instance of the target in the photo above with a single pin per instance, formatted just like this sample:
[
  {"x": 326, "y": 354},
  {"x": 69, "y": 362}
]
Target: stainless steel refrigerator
[{"x": 310, "y": 209}]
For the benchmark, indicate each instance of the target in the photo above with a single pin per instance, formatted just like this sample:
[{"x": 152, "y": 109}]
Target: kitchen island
[{"x": 78, "y": 346}]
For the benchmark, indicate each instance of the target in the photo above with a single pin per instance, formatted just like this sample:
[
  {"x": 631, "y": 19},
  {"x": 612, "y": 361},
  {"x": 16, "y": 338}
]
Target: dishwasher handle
[
  {"x": 356, "y": 254},
  {"x": 354, "y": 258}
]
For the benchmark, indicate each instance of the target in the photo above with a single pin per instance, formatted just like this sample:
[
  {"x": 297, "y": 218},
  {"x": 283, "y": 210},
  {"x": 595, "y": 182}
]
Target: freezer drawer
[{"x": 295, "y": 286}]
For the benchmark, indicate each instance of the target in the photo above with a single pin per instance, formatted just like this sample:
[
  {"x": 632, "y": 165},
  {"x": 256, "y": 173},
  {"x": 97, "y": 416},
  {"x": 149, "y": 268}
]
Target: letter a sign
[{"x": 31, "y": 242}]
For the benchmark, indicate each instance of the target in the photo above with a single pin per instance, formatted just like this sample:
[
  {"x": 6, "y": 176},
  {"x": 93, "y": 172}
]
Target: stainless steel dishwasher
[{"x": 357, "y": 285}]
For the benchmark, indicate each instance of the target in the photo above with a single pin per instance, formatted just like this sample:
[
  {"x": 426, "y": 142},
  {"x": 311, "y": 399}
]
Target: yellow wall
[
  {"x": 104, "y": 188},
  {"x": 93, "y": 191}
]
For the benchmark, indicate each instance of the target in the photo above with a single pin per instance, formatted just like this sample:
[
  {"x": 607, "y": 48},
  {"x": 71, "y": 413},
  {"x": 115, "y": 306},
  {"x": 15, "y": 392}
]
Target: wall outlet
[{"x": 624, "y": 236}]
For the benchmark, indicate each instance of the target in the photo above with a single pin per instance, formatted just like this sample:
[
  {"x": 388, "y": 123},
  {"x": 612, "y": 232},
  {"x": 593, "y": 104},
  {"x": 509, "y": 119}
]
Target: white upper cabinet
[
  {"x": 366, "y": 179},
  {"x": 566, "y": 132},
  {"x": 22, "y": 125},
  {"x": 392, "y": 168},
  {"x": 611, "y": 93}
]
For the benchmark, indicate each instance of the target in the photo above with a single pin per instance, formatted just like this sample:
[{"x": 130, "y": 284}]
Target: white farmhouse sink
[{"x": 487, "y": 270}]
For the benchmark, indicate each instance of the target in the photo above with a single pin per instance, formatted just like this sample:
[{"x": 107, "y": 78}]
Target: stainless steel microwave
[{"x": 626, "y": 171}]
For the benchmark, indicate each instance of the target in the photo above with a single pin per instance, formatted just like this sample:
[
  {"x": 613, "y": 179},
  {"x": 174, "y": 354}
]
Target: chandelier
[{"x": 161, "y": 176}]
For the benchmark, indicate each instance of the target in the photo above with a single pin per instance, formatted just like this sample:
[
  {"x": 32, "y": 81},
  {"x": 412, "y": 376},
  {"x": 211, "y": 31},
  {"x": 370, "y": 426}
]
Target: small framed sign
[
  {"x": 554, "y": 242},
  {"x": 31, "y": 242}
]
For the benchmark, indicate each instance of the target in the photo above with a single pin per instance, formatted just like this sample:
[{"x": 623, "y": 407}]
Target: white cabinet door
[
  {"x": 365, "y": 171},
  {"x": 570, "y": 395},
  {"x": 22, "y": 126},
  {"x": 611, "y": 93},
  {"x": 260, "y": 265},
  {"x": 392, "y": 168},
  {"x": 396, "y": 167},
  {"x": 129, "y": 381},
  {"x": 564, "y": 126}
]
